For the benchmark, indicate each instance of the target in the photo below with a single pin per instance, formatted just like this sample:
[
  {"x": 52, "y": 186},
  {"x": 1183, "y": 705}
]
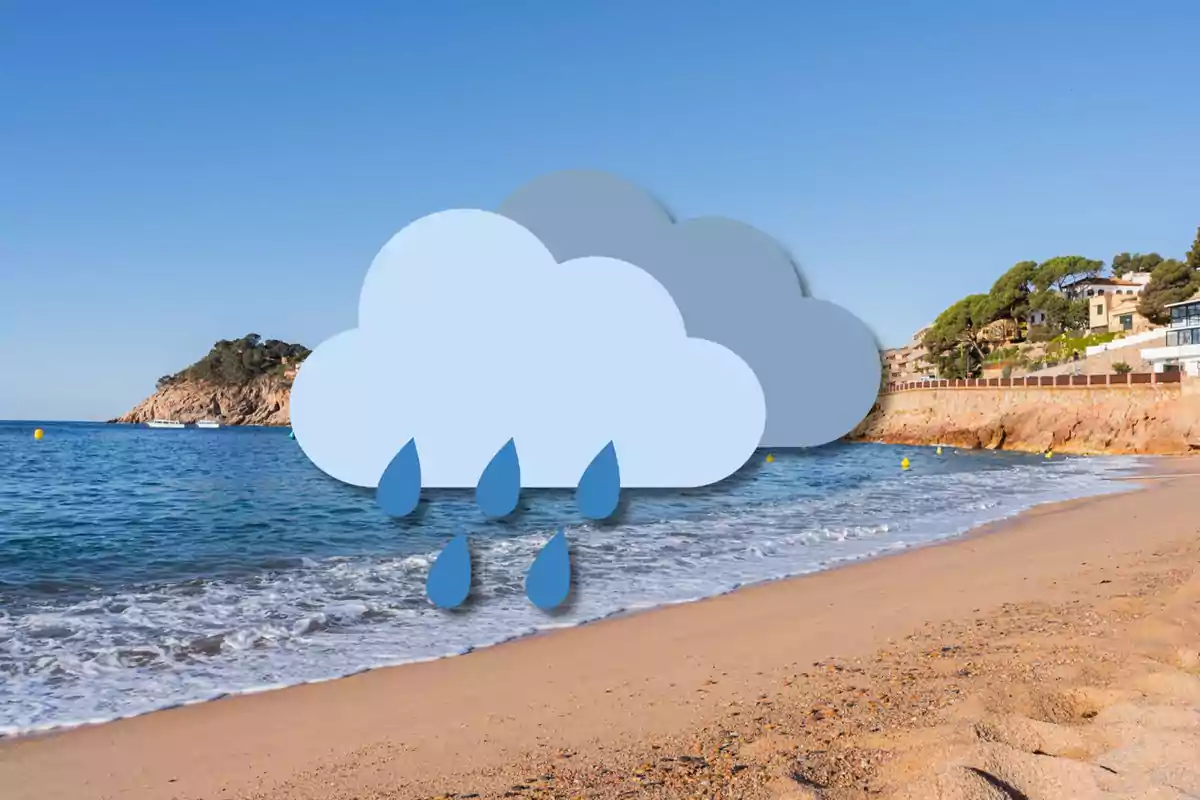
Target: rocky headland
[
  {"x": 248, "y": 381},
  {"x": 243, "y": 381}
]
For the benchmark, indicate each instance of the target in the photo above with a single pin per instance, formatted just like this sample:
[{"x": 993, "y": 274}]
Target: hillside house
[
  {"x": 1110, "y": 312},
  {"x": 1182, "y": 350},
  {"x": 1115, "y": 313},
  {"x": 1094, "y": 287}
]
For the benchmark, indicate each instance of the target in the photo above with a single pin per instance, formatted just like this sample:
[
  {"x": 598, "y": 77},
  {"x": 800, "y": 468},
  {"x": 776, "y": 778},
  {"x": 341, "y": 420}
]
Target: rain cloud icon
[{"x": 502, "y": 364}]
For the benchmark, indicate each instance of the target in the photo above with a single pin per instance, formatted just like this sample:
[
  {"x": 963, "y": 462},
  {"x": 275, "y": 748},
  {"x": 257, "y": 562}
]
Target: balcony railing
[
  {"x": 1182, "y": 337},
  {"x": 1042, "y": 382}
]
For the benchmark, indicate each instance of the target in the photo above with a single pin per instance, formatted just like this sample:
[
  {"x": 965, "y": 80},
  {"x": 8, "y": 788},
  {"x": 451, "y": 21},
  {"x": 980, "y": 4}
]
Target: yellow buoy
[
  {"x": 939, "y": 450},
  {"x": 904, "y": 463},
  {"x": 770, "y": 457},
  {"x": 38, "y": 434},
  {"x": 1049, "y": 454}
]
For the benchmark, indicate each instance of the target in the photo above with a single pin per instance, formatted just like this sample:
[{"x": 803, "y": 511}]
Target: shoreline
[
  {"x": 1065, "y": 448},
  {"x": 884, "y": 552},
  {"x": 673, "y": 668}
]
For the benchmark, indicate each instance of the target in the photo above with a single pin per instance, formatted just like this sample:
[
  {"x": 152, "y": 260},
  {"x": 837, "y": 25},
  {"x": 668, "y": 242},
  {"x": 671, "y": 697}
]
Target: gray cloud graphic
[{"x": 818, "y": 363}]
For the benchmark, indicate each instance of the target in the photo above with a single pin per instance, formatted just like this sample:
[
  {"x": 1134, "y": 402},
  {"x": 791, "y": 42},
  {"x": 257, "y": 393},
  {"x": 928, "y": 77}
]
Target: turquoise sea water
[{"x": 145, "y": 568}]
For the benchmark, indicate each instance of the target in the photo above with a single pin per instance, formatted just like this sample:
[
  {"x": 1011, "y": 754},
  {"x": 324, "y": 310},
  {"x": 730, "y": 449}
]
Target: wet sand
[{"x": 1053, "y": 656}]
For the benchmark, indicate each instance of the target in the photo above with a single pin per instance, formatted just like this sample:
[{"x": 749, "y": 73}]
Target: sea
[{"x": 142, "y": 569}]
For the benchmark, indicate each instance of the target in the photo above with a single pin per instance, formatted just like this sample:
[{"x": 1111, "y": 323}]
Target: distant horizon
[
  {"x": 183, "y": 174},
  {"x": 1105, "y": 272}
]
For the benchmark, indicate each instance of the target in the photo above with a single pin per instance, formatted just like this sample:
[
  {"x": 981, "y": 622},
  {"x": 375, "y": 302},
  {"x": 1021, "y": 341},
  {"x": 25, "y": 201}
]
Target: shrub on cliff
[
  {"x": 1066, "y": 346},
  {"x": 1121, "y": 368},
  {"x": 239, "y": 361},
  {"x": 1002, "y": 354},
  {"x": 1043, "y": 333}
]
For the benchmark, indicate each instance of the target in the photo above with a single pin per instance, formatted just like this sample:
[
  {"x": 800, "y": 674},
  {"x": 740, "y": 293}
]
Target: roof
[
  {"x": 1103, "y": 282},
  {"x": 1193, "y": 299}
]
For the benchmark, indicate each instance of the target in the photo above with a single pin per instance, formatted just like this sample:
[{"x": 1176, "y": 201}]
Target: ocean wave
[{"x": 115, "y": 653}]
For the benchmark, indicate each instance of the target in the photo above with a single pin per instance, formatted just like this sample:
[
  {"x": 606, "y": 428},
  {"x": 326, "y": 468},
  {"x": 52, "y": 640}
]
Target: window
[
  {"x": 1126, "y": 321},
  {"x": 1185, "y": 316},
  {"x": 1090, "y": 292},
  {"x": 1184, "y": 337},
  {"x": 1099, "y": 309}
]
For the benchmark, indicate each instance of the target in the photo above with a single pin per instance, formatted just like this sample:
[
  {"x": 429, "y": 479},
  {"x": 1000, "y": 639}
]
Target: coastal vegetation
[
  {"x": 1171, "y": 282},
  {"x": 984, "y": 327},
  {"x": 1061, "y": 348},
  {"x": 237, "y": 362}
]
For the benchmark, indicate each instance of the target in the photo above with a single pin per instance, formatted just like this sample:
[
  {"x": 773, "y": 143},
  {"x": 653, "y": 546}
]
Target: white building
[
  {"x": 1129, "y": 285},
  {"x": 1182, "y": 351}
]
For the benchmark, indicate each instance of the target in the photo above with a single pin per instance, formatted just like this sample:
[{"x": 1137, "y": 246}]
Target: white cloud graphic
[
  {"x": 471, "y": 334},
  {"x": 734, "y": 285}
]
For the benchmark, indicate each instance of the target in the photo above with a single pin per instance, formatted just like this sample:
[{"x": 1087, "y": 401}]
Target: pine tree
[
  {"x": 1172, "y": 282},
  {"x": 1193, "y": 256}
]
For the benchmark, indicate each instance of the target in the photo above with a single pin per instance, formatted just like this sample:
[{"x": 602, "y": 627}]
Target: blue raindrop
[
  {"x": 449, "y": 580},
  {"x": 600, "y": 487},
  {"x": 499, "y": 486},
  {"x": 548, "y": 581},
  {"x": 400, "y": 486}
]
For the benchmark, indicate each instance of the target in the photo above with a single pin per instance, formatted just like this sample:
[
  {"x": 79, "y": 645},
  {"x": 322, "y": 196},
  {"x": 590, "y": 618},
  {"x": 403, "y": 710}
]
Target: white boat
[
  {"x": 208, "y": 423},
  {"x": 164, "y": 423}
]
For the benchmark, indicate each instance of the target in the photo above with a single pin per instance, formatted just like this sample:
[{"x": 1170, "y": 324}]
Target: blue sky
[{"x": 175, "y": 174}]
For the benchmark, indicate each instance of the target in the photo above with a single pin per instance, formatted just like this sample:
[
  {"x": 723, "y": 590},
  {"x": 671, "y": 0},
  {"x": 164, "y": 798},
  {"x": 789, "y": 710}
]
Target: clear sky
[{"x": 176, "y": 173}]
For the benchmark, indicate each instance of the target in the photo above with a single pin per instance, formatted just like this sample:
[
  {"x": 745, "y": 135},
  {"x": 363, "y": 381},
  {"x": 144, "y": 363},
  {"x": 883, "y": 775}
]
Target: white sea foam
[{"x": 131, "y": 652}]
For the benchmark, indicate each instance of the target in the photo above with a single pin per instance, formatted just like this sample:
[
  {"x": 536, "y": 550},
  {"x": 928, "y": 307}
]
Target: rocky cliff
[
  {"x": 261, "y": 401},
  {"x": 244, "y": 381},
  {"x": 1150, "y": 420}
]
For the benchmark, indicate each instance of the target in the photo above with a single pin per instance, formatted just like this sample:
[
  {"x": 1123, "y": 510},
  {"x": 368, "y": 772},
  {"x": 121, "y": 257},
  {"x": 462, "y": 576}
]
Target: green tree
[
  {"x": 1171, "y": 282},
  {"x": 1124, "y": 263},
  {"x": 1059, "y": 272},
  {"x": 1076, "y": 315},
  {"x": 1062, "y": 313},
  {"x": 954, "y": 342},
  {"x": 1011, "y": 292},
  {"x": 1193, "y": 256},
  {"x": 239, "y": 361}
]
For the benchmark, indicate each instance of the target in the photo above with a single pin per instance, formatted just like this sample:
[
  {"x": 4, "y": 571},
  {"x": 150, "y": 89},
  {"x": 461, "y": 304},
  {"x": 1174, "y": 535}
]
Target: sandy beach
[{"x": 1052, "y": 656}]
